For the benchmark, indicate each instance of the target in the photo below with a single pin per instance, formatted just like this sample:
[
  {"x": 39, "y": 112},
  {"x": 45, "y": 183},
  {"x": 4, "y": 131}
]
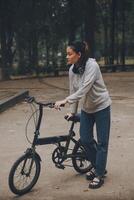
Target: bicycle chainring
[{"x": 58, "y": 155}]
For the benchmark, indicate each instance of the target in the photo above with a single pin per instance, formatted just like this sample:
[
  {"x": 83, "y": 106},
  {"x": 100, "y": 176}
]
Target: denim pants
[{"x": 97, "y": 155}]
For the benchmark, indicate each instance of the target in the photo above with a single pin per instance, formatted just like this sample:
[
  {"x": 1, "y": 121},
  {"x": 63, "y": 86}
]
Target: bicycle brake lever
[{"x": 51, "y": 105}]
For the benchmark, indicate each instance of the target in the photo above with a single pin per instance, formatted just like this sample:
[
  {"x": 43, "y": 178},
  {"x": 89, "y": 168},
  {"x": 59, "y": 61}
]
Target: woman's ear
[{"x": 79, "y": 54}]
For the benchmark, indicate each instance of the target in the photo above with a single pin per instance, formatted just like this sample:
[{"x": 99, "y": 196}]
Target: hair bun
[{"x": 79, "y": 46}]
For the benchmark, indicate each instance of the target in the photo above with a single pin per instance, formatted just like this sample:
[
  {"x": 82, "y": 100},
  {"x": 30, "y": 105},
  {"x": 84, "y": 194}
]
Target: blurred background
[{"x": 34, "y": 34}]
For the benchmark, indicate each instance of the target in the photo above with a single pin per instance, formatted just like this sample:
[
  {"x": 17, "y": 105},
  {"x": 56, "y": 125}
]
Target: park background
[
  {"x": 34, "y": 34},
  {"x": 33, "y": 39}
]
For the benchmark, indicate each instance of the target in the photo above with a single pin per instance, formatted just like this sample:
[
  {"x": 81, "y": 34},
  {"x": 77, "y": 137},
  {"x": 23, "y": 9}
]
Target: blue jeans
[{"x": 96, "y": 155}]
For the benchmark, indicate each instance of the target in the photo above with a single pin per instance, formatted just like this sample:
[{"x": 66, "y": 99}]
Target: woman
[{"x": 86, "y": 84}]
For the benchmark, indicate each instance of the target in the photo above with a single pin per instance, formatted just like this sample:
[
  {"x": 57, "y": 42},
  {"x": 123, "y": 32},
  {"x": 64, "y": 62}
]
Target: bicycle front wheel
[
  {"x": 79, "y": 159},
  {"x": 24, "y": 174}
]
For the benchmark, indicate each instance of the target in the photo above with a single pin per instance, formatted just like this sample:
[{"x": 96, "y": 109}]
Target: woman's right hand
[
  {"x": 68, "y": 115},
  {"x": 58, "y": 104}
]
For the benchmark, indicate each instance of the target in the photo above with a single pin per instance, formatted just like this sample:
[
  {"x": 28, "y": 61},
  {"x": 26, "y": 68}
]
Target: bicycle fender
[{"x": 37, "y": 156}]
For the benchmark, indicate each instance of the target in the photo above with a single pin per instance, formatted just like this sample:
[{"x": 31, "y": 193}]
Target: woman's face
[{"x": 72, "y": 56}]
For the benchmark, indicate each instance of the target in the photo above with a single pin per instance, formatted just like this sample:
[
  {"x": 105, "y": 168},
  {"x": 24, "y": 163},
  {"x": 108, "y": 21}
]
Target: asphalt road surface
[{"x": 58, "y": 184}]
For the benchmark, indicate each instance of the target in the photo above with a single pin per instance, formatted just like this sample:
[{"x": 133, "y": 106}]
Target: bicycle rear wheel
[
  {"x": 79, "y": 159},
  {"x": 24, "y": 174}
]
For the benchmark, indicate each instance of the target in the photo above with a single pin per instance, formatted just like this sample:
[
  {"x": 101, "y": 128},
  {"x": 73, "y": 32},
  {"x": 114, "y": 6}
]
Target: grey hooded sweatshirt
[{"x": 88, "y": 87}]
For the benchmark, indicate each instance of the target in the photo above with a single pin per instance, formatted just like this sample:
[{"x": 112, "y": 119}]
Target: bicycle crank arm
[{"x": 60, "y": 166}]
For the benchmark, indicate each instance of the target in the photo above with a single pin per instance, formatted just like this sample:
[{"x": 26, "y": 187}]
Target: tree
[
  {"x": 6, "y": 37},
  {"x": 89, "y": 23},
  {"x": 30, "y": 30},
  {"x": 103, "y": 10}
]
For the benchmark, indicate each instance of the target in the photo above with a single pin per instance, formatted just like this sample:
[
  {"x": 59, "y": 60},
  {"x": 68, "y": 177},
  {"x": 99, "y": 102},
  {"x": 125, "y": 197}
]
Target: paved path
[{"x": 56, "y": 184}]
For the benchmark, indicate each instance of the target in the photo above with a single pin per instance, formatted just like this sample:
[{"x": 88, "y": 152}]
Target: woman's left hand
[{"x": 58, "y": 104}]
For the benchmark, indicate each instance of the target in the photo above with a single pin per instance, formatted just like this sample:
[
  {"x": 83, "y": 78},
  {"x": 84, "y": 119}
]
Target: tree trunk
[
  {"x": 117, "y": 38},
  {"x": 47, "y": 54},
  {"x": 90, "y": 26},
  {"x": 54, "y": 61},
  {"x": 34, "y": 56},
  {"x": 105, "y": 40},
  {"x": 72, "y": 27},
  {"x": 123, "y": 36},
  {"x": 3, "y": 43},
  {"x": 112, "y": 52},
  {"x": 34, "y": 39},
  {"x": 21, "y": 64},
  {"x": 4, "y": 56}
]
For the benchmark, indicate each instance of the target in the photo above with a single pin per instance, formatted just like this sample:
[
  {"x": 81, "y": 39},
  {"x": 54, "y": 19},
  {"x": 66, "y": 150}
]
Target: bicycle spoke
[{"x": 24, "y": 174}]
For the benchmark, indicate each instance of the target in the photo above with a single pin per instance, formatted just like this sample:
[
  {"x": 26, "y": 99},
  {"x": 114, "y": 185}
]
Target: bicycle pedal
[{"x": 60, "y": 166}]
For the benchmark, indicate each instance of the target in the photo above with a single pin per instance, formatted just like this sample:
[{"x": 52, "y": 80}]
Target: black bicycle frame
[{"x": 53, "y": 139}]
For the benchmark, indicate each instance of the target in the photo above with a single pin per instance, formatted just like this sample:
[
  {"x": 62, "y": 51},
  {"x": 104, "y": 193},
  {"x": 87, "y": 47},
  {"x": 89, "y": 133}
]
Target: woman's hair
[{"x": 82, "y": 48}]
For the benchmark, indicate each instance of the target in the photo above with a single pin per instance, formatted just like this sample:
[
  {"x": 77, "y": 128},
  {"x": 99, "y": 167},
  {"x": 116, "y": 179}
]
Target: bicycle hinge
[{"x": 37, "y": 132}]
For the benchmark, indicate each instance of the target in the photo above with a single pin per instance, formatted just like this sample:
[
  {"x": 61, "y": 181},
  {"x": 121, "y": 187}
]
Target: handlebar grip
[
  {"x": 65, "y": 117},
  {"x": 68, "y": 119},
  {"x": 29, "y": 99}
]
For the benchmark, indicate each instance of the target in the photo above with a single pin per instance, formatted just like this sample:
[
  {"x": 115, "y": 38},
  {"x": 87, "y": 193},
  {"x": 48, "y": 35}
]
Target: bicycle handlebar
[{"x": 31, "y": 99}]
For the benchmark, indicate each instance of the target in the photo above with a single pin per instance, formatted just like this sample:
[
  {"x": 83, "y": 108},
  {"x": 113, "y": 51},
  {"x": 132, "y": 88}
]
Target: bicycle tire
[
  {"x": 79, "y": 161},
  {"x": 25, "y": 165}
]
